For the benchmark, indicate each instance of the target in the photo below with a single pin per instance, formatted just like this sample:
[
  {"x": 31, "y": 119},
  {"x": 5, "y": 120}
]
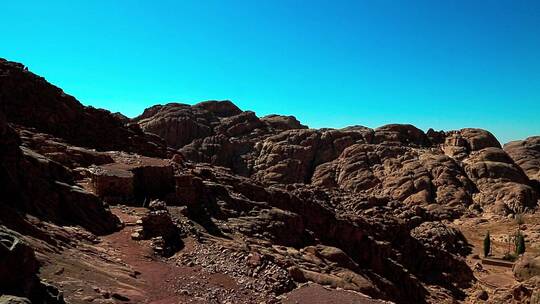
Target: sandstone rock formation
[
  {"x": 18, "y": 273},
  {"x": 228, "y": 205},
  {"x": 216, "y": 132},
  {"x": 29, "y": 100},
  {"x": 265, "y": 202},
  {"x": 39, "y": 186},
  {"x": 456, "y": 168},
  {"x": 526, "y": 154}
]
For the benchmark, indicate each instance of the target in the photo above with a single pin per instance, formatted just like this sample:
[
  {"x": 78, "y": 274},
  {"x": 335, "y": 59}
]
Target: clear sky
[{"x": 442, "y": 64}]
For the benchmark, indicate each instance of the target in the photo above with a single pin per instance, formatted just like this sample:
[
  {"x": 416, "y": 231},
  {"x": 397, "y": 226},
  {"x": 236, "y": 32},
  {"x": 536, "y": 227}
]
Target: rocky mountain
[
  {"x": 461, "y": 169},
  {"x": 212, "y": 204},
  {"x": 30, "y": 101}
]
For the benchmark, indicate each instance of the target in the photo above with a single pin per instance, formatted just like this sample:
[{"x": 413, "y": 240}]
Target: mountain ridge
[{"x": 210, "y": 193}]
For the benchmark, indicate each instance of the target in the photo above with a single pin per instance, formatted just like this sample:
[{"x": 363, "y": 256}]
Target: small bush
[
  {"x": 520, "y": 243},
  {"x": 509, "y": 257}
]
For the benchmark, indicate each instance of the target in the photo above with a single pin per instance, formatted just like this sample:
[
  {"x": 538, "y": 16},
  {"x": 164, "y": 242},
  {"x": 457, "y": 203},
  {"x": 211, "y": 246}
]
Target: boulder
[
  {"x": 346, "y": 280},
  {"x": 159, "y": 228},
  {"x": 18, "y": 264},
  {"x": 527, "y": 267},
  {"x": 158, "y": 223},
  {"x": 526, "y": 154},
  {"x": 478, "y": 139},
  {"x": 438, "y": 235},
  {"x": 499, "y": 180},
  {"x": 5, "y": 299}
]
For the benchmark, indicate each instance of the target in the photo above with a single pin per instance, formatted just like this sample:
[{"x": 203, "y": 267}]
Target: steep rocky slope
[
  {"x": 29, "y": 100},
  {"x": 33, "y": 185},
  {"x": 212, "y": 204}
]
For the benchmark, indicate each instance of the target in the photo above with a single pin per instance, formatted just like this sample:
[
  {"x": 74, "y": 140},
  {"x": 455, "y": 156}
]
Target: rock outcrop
[
  {"x": 39, "y": 186},
  {"x": 19, "y": 282},
  {"x": 527, "y": 267},
  {"x": 360, "y": 250},
  {"x": 29, "y": 100},
  {"x": 526, "y": 154},
  {"x": 501, "y": 183},
  {"x": 456, "y": 168},
  {"x": 215, "y": 132}
]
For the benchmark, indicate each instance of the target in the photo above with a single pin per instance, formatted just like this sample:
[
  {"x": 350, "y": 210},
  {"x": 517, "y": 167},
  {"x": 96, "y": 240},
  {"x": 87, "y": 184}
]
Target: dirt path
[
  {"x": 121, "y": 270},
  {"x": 118, "y": 269},
  {"x": 115, "y": 270},
  {"x": 155, "y": 275}
]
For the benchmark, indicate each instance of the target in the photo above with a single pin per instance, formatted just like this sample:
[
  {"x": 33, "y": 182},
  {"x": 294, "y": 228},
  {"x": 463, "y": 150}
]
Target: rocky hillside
[
  {"x": 30, "y": 101},
  {"x": 212, "y": 204},
  {"x": 463, "y": 169}
]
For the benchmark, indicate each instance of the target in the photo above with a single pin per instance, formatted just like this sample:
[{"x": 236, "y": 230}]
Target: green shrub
[
  {"x": 487, "y": 245},
  {"x": 509, "y": 257},
  {"x": 520, "y": 243}
]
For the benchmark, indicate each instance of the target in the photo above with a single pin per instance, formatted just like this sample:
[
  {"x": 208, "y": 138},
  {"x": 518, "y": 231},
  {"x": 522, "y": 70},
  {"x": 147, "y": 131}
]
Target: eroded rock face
[
  {"x": 59, "y": 151},
  {"x": 400, "y": 173},
  {"x": 215, "y": 132},
  {"x": 19, "y": 282},
  {"x": 401, "y": 134},
  {"x": 175, "y": 123},
  {"x": 29, "y": 100},
  {"x": 456, "y": 168},
  {"x": 526, "y": 154},
  {"x": 499, "y": 180},
  {"x": 44, "y": 188},
  {"x": 438, "y": 235}
]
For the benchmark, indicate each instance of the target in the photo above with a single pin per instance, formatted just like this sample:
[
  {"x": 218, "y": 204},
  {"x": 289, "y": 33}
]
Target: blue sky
[{"x": 441, "y": 64}]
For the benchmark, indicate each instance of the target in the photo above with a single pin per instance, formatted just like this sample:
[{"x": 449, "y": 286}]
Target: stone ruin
[{"x": 133, "y": 181}]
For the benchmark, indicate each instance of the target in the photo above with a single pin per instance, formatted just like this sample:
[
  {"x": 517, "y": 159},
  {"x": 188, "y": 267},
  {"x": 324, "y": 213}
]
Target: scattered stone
[{"x": 481, "y": 295}]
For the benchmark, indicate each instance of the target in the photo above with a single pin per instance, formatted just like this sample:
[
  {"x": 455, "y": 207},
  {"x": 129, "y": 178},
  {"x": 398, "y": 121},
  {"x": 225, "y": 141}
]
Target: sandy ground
[{"x": 492, "y": 277}]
